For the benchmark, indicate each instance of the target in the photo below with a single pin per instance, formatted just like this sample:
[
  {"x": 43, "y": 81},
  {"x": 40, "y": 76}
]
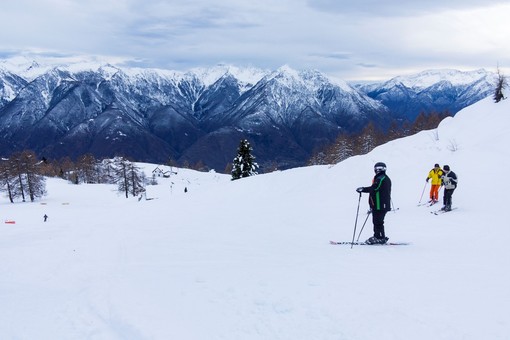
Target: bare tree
[
  {"x": 420, "y": 123},
  {"x": 22, "y": 176},
  {"x": 367, "y": 140},
  {"x": 88, "y": 169},
  {"x": 66, "y": 168},
  {"x": 128, "y": 177},
  {"x": 137, "y": 179},
  {"x": 7, "y": 180},
  {"x": 36, "y": 184},
  {"x": 343, "y": 148},
  {"x": 501, "y": 84},
  {"x": 120, "y": 174},
  {"x": 107, "y": 171}
]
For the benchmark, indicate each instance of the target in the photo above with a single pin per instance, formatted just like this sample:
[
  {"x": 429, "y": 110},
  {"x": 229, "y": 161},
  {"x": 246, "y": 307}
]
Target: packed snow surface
[{"x": 251, "y": 259}]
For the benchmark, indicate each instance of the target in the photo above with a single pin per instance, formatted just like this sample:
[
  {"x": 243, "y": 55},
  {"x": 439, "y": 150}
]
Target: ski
[
  {"x": 428, "y": 204},
  {"x": 439, "y": 212},
  {"x": 369, "y": 244}
]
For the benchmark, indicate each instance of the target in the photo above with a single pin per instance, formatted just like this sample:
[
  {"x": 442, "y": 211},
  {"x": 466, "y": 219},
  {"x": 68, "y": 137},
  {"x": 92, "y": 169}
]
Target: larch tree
[
  {"x": 128, "y": 177},
  {"x": 501, "y": 83},
  {"x": 21, "y": 176}
]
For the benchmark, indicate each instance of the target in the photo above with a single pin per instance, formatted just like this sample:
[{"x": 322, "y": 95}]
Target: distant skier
[
  {"x": 449, "y": 180},
  {"x": 435, "y": 174},
  {"x": 45, "y": 217},
  {"x": 379, "y": 201}
]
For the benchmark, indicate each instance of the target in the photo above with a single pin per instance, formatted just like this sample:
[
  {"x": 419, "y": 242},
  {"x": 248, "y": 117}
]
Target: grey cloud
[
  {"x": 347, "y": 38},
  {"x": 4, "y": 54},
  {"x": 396, "y": 7},
  {"x": 200, "y": 21},
  {"x": 333, "y": 55},
  {"x": 366, "y": 65}
]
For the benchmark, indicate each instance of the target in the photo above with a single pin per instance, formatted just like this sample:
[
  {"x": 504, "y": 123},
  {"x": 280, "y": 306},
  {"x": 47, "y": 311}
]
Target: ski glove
[{"x": 360, "y": 189}]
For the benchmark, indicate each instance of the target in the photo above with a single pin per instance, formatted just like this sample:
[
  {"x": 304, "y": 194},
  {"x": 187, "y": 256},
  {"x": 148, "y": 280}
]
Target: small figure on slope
[
  {"x": 449, "y": 180},
  {"x": 435, "y": 175},
  {"x": 379, "y": 201}
]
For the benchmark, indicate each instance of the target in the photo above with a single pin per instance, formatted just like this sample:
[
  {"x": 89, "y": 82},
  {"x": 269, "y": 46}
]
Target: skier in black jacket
[
  {"x": 379, "y": 201},
  {"x": 449, "y": 180}
]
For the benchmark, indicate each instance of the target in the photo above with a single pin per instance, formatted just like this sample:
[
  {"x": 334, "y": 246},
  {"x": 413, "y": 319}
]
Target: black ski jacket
[
  {"x": 449, "y": 180},
  {"x": 380, "y": 193}
]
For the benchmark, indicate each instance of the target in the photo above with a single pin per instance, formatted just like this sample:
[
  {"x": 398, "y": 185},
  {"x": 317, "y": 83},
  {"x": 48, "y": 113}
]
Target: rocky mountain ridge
[{"x": 200, "y": 115}]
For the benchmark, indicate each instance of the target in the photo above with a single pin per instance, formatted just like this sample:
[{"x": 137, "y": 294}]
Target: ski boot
[{"x": 375, "y": 240}]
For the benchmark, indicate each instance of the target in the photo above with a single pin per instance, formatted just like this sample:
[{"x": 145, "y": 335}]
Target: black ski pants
[
  {"x": 447, "y": 198},
  {"x": 378, "y": 220}
]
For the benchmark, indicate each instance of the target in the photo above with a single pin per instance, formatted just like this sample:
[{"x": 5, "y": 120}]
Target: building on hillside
[{"x": 159, "y": 172}]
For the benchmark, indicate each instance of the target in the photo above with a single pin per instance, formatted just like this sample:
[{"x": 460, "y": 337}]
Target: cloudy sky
[{"x": 352, "y": 40}]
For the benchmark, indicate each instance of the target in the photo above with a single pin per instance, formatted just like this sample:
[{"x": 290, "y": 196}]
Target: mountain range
[
  {"x": 199, "y": 116},
  {"x": 432, "y": 90}
]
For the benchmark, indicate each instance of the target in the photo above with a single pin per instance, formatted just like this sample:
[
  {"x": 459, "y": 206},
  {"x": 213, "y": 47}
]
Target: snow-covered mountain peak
[
  {"x": 246, "y": 75},
  {"x": 108, "y": 71},
  {"x": 309, "y": 80},
  {"x": 318, "y": 78},
  {"x": 24, "y": 66},
  {"x": 32, "y": 66},
  {"x": 286, "y": 74},
  {"x": 287, "y": 77},
  {"x": 428, "y": 78},
  {"x": 287, "y": 70}
]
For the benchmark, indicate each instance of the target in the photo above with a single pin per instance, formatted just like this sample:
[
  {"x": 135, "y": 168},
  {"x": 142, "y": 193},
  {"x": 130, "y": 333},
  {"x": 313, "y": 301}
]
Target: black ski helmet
[
  {"x": 379, "y": 167},
  {"x": 446, "y": 168}
]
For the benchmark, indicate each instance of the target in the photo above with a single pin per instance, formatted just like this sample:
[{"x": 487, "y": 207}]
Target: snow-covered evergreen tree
[{"x": 244, "y": 164}]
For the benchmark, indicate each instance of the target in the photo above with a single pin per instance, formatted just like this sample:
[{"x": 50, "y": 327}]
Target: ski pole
[
  {"x": 423, "y": 191},
  {"x": 366, "y": 219},
  {"x": 356, "y": 222},
  {"x": 393, "y": 206}
]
